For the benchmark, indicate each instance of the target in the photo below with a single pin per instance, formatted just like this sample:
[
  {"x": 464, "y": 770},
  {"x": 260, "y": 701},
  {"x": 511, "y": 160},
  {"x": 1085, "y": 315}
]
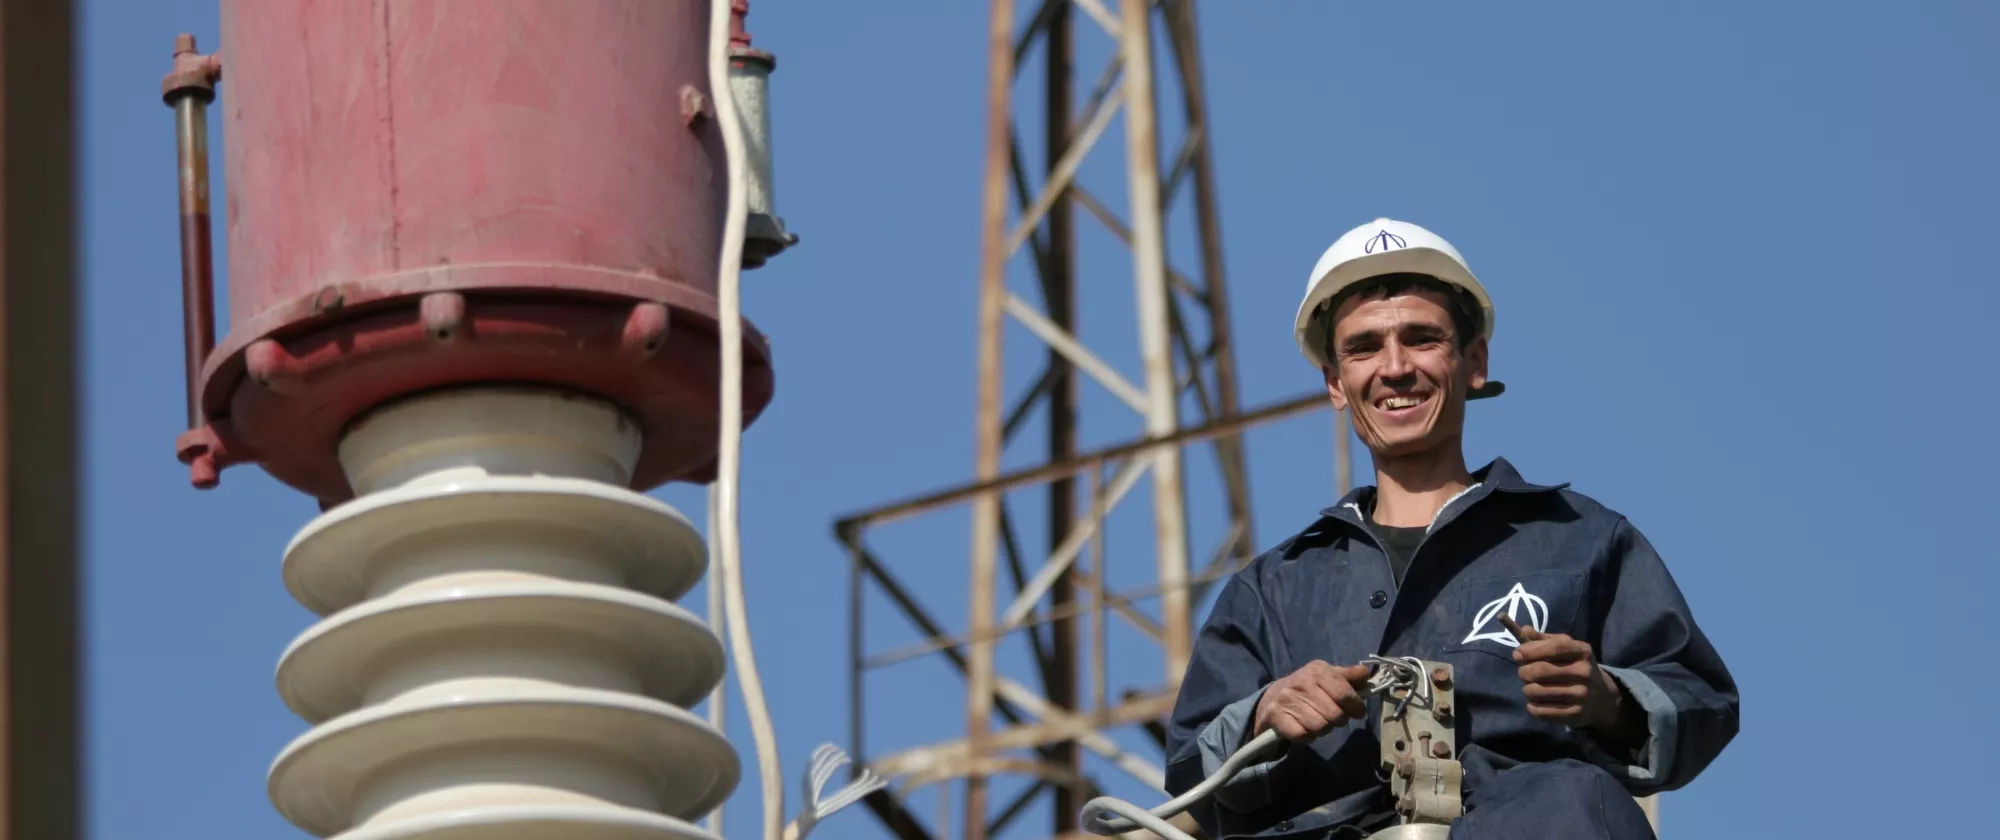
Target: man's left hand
[{"x": 1562, "y": 682}]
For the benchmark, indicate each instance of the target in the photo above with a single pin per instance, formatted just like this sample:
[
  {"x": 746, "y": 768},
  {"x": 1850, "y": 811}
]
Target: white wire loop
[
  {"x": 1107, "y": 815},
  {"x": 727, "y": 538},
  {"x": 727, "y": 575}
]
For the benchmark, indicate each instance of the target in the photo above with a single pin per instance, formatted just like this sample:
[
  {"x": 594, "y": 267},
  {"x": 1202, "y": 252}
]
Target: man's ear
[
  {"x": 1332, "y": 377},
  {"x": 1475, "y": 363}
]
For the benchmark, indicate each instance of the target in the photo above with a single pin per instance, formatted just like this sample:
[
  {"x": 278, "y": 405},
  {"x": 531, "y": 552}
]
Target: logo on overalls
[
  {"x": 1383, "y": 241},
  {"x": 1513, "y": 603}
]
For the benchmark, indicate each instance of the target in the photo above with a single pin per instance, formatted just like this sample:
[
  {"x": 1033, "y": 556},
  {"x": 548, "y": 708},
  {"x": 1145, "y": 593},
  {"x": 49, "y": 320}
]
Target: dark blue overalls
[{"x": 1545, "y": 556}]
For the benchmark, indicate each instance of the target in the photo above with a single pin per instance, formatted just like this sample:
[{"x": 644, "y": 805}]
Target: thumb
[
  {"x": 1356, "y": 674},
  {"x": 1525, "y": 634}
]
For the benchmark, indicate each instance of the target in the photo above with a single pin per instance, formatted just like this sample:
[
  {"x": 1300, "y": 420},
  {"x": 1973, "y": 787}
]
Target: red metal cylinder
[{"x": 451, "y": 192}]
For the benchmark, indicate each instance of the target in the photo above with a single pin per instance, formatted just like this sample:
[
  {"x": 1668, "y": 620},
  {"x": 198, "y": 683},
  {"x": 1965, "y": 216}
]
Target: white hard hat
[{"x": 1385, "y": 246}]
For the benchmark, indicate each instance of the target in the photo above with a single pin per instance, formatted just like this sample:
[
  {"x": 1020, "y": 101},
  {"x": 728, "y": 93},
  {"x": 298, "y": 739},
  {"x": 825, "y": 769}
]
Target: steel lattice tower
[{"x": 1038, "y": 724}]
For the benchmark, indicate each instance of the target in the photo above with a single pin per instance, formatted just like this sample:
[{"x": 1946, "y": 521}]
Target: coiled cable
[{"x": 1107, "y": 815}]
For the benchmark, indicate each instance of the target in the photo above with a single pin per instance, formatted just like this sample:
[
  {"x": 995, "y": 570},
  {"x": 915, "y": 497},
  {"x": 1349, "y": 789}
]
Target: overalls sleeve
[
  {"x": 1212, "y": 717},
  {"x": 1651, "y": 645}
]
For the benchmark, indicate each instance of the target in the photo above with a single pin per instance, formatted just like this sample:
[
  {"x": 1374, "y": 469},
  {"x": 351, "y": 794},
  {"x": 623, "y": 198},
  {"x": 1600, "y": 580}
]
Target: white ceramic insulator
[{"x": 501, "y": 657}]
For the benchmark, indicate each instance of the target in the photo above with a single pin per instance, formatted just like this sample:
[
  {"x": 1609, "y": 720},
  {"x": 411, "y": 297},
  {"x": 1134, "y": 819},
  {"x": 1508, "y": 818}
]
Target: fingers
[
  {"x": 1558, "y": 675},
  {"x": 1338, "y": 700},
  {"x": 1556, "y": 695},
  {"x": 1313, "y": 700},
  {"x": 1297, "y": 707},
  {"x": 1525, "y": 634},
  {"x": 1551, "y": 673},
  {"x": 1553, "y": 648},
  {"x": 1351, "y": 704},
  {"x": 1338, "y": 685},
  {"x": 1300, "y": 724}
]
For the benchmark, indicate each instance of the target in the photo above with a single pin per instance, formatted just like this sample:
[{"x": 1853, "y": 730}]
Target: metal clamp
[{"x": 1419, "y": 747}]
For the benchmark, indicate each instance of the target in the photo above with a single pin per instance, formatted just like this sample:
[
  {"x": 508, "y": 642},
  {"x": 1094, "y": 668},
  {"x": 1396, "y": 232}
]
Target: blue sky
[{"x": 1739, "y": 253}]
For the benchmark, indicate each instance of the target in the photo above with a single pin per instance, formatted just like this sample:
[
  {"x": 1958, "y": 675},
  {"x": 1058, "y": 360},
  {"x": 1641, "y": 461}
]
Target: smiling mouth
[{"x": 1398, "y": 402}]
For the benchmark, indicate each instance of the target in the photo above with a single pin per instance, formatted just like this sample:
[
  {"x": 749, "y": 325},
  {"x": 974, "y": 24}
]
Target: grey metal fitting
[{"x": 764, "y": 234}]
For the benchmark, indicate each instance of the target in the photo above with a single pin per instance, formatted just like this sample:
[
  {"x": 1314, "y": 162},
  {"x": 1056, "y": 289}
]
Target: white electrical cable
[
  {"x": 1094, "y": 816},
  {"x": 1108, "y": 815},
  {"x": 718, "y": 700},
  {"x": 728, "y": 538}
]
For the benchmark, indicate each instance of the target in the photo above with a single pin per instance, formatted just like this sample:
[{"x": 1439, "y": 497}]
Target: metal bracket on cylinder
[
  {"x": 1419, "y": 750},
  {"x": 209, "y": 449},
  {"x": 188, "y": 89}
]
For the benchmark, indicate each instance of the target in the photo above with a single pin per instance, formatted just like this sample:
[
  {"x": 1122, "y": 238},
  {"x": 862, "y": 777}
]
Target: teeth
[{"x": 1394, "y": 403}]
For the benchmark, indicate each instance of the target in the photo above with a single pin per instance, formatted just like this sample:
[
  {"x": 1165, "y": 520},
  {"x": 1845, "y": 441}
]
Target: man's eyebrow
[{"x": 1361, "y": 339}]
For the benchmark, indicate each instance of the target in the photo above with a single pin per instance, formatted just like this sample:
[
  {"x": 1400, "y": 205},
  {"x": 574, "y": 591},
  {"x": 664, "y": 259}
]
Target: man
[{"x": 1609, "y": 691}]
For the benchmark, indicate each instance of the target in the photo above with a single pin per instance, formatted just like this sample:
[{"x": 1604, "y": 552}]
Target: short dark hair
[{"x": 1466, "y": 320}]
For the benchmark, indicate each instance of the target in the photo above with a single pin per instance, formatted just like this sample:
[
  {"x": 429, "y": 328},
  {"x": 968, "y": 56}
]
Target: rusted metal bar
[
  {"x": 1045, "y": 472},
  {"x": 1017, "y": 570},
  {"x": 1138, "y": 768},
  {"x": 1171, "y": 339},
  {"x": 1088, "y": 580},
  {"x": 992, "y": 299},
  {"x": 1023, "y": 194},
  {"x": 1149, "y": 276},
  {"x": 1181, "y": 34},
  {"x": 939, "y": 642},
  {"x": 1104, "y": 215},
  {"x": 1192, "y": 358},
  {"x": 921, "y": 618},
  {"x": 40, "y": 692},
  {"x": 869, "y": 566},
  {"x": 951, "y": 756},
  {"x": 1105, "y": 19},
  {"x": 988, "y": 765},
  {"x": 1060, "y": 341},
  {"x": 188, "y": 89},
  {"x": 1065, "y": 172},
  {"x": 1070, "y": 545}
]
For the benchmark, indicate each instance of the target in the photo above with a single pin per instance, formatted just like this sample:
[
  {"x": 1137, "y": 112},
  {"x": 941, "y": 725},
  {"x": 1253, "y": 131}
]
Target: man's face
[{"x": 1401, "y": 371}]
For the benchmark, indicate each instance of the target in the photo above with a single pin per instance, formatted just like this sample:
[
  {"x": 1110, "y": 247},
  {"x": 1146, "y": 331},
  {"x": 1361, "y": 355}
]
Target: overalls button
[{"x": 1378, "y": 599}]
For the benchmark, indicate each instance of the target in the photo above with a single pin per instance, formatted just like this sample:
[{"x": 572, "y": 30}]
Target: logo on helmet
[{"x": 1383, "y": 241}]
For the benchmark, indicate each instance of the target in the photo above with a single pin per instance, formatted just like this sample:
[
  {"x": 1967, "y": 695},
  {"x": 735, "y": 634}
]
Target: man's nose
[{"x": 1397, "y": 362}]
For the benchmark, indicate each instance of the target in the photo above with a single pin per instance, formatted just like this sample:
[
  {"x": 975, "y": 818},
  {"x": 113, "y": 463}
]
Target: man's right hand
[{"x": 1312, "y": 701}]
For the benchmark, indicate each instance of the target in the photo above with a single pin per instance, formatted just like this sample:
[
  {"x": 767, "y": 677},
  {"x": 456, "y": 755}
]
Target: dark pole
[
  {"x": 1059, "y": 287},
  {"x": 39, "y": 766}
]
